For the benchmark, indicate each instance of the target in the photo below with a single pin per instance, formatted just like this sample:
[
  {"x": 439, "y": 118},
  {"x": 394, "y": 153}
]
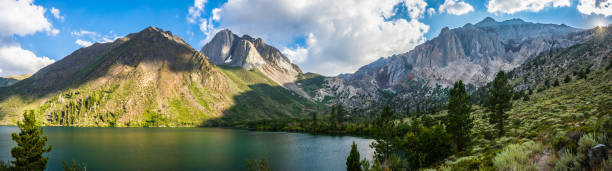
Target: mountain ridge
[{"x": 149, "y": 78}]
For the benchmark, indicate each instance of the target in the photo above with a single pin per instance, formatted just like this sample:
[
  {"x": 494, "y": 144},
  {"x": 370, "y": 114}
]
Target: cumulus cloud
[
  {"x": 215, "y": 14},
  {"x": 297, "y": 55},
  {"x": 513, "y": 6},
  {"x": 455, "y": 7},
  {"x": 338, "y": 39},
  {"x": 17, "y": 61},
  {"x": 56, "y": 14},
  {"x": 431, "y": 11},
  {"x": 598, "y": 7},
  {"x": 22, "y": 18},
  {"x": 196, "y": 10},
  {"x": 83, "y": 43}
]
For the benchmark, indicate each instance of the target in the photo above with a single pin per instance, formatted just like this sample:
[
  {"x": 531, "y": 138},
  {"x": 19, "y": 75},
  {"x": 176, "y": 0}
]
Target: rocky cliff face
[
  {"x": 472, "y": 53},
  {"x": 229, "y": 49}
]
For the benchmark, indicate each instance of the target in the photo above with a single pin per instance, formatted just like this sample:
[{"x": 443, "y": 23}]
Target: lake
[{"x": 191, "y": 148}]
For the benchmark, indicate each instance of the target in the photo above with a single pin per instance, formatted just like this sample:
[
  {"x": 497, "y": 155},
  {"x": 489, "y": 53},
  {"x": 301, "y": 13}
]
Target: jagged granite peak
[
  {"x": 229, "y": 49},
  {"x": 472, "y": 53}
]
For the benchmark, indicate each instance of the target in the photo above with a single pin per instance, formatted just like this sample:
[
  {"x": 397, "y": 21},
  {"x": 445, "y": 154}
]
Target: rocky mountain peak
[
  {"x": 156, "y": 34},
  {"x": 229, "y": 49},
  {"x": 486, "y": 22}
]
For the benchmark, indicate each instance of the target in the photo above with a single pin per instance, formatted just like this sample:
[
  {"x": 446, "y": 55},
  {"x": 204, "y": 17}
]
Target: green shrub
[
  {"x": 568, "y": 162},
  {"x": 516, "y": 156}
]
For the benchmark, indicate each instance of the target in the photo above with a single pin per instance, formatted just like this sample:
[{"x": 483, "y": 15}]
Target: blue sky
[{"x": 328, "y": 37}]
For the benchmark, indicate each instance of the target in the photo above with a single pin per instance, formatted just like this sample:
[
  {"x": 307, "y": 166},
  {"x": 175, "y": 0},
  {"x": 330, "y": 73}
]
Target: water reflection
[{"x": 191, "y": 148}]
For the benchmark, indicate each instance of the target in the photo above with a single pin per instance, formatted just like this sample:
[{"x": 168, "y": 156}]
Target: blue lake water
[{"x": 191, "y": 148}]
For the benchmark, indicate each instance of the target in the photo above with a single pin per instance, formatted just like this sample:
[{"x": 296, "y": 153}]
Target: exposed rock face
[
  {"x": 229, "y": 49},
  {"x": 473, "y": 53},
  {"x": 592, "y": 54}
]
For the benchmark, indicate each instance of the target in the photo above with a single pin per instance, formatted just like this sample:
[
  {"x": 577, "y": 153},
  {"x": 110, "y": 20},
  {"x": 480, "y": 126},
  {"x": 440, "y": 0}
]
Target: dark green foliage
[
  {"x": 556, "y": 83},
  {"x": 499, "y": 101},
  {"x": 582, "y": 74},
  {"x": 74, "y": 166},
  {"x": 567, "y": 79},
  {"x": 385, "y": 130},
  {"x": 459, "y": 122},
  {"x": 352, "y": 161},
  {"x": 339, "y": 114},
  {"x": 314, "y": 119},
  {"x": 547, "y": 83},
  {"x": 423, "y": 146},
  {"x": 31, "y": 145},
  {"x": 257, "y": 165}
]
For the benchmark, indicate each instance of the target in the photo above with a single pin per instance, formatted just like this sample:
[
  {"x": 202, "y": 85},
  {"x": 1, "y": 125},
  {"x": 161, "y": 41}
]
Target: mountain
[
  {"x": 10, "y": 80},
  {"x": 228, "y": 49},
  {"x": 472, "y": 53},
  {"x": 553, "y": 117},
  {"x": 149, "y": 78}
]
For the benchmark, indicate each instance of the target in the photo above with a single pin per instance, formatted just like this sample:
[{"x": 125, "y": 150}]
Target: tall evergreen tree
[
  {"x": 352, "y": 162},
  {"x": 314, "y": 119},
  {"x": 31, "y": 145},
  {"x": 385, "y": 127},
  {"x": 459, "y": 122},
  {"x": 500, "y": 96},
  {"x": 333, "y": 115},
  {"x": 339, "y": 114}
]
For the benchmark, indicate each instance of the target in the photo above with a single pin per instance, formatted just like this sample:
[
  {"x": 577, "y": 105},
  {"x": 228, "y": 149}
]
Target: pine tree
[
  {"x": 385, "y": 127},
  {"x": 567, "y": 78},
  {"x": 340, "y": 115},
  {"x": 459, "y": 123},
  {"x": 314, "y": 119},
  {"x": 31, "y": 145},
  {"x": 333, "y": 115},
  {"x": 352, "y": 162},
  {"x": 556, "y": 83},
  {"x": 500, "y": 96}
]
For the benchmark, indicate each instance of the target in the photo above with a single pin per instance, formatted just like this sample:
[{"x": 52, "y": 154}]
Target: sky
[{"x": 321, "y": 36}]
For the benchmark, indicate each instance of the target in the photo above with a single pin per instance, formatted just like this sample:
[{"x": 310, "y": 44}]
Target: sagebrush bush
[
  {"x": 517, "y": 156},
  {"x": 568, "y": 162}
]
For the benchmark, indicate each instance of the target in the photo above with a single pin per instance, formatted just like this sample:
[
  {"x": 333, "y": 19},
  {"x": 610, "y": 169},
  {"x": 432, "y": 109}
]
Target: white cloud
[
  {"x": 598, "y": 7},
  {"x": 455, "y": 7},
  {"x": 56, "y": 14},
  {"x": 196, "y": 10},
  {"x": 513, "y": 6},
  {"x": 297, "y": 55},
  {"x": 204, "y": 26},
  {"x": 17, "y": 61},
  {"x": 431, "y": 11},
  {"x": 87, "y": 38},
  {"x": 83, "y": 43},
  {"x": 83, "y": 33},
  {"x": 416, "y": 8},
  {"x": 340, "y": 36},
  {"x": 22, "y": 18},
  {"x": 215, "y": 14}
]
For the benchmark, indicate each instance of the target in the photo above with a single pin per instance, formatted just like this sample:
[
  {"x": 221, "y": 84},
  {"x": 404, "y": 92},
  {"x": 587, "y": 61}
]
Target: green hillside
[{"x": 151, "y": 78}]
